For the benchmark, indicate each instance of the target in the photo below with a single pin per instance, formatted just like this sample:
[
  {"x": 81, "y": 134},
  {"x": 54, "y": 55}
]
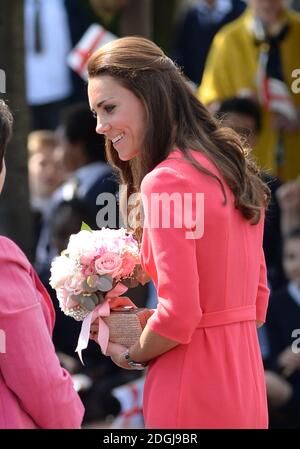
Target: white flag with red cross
[
  {"x": 94, "y": 37},
  {"x": 274, "y": 95}
]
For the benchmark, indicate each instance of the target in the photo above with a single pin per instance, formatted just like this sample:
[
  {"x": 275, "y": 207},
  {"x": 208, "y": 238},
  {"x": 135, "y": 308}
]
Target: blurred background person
[
  {"x": 81, "y": 151},
  {"x": 256, "y": 54},
  {"x": 46, "y": 173},
  {"x": 51, "y": 31},
  {"x": 47, "y": 44},
  {"x": 244, "y": 116},
  {"x": 195, "y": 31},
  {"x": 288, "y": 196},
  {"x": 283, "y": 319},
  {"x": 295, "y": 4}
]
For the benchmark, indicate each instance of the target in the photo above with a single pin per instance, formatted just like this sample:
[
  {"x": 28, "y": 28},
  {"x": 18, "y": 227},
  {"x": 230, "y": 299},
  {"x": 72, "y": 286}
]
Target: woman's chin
[{"x": 126, "y": 156}]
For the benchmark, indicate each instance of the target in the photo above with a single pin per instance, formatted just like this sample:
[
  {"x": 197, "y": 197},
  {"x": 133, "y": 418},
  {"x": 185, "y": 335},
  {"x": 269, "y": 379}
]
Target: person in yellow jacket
[{"x": 259, "y": 55}]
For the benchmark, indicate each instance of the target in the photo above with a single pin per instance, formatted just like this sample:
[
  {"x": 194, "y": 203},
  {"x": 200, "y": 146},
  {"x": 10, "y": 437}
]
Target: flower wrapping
[
  {"x": 125, "y": 324},
  {"x": 91, "y": 274}
]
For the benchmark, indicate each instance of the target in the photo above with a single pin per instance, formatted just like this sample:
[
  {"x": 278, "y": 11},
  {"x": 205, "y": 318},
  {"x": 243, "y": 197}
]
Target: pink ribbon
[{"x": 113, "y": 302}]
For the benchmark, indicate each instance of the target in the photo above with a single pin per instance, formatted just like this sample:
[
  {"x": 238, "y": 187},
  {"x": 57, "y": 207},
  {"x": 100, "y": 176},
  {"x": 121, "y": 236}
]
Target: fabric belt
[{"x": 228, "y": 316}]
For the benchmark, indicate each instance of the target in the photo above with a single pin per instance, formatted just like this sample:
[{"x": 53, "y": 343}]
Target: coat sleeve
[
  {"x": 217, "y": 77},
  {"x": 174, "y": 256},
  {"x": 29, "y": 365},
  {"x": 263, "y": 291}
]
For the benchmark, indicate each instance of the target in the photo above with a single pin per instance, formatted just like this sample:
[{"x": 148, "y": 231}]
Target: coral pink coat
[
  {"x": 35, "y": 392},
  {"x": 210, "y": 292}
]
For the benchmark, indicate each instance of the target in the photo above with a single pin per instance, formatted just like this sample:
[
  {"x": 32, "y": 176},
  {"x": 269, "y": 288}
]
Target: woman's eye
[{"x": 109, "y": 108}]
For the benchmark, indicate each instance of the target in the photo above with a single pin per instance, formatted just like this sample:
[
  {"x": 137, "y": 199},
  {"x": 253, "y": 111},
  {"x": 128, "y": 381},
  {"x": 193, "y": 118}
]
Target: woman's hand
[
  {"x": 116, "y": 353},
  {"x": 288, "y": 196},
  {"x": 289, "y": 361},
  {"x": 114, "y": 350},
  {"x": 94, "y": 332},
  {"x": 279, "y": 391},
  {"x": 283, "y": 123}
]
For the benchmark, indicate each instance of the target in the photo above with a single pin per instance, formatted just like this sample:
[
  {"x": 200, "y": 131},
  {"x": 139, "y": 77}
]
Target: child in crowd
[
  {"x": 46, "y": 171},
  {"x": 283, "y": 327},
  {"x": 244, "y": 115}
]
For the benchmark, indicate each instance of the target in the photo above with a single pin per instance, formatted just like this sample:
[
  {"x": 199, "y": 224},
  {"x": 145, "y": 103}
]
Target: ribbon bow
[{"x": 113, "y": 301}]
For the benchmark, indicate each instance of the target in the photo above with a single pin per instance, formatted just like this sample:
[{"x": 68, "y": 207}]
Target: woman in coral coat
[
  {"x": 35, "y": 392},
  {"x": 203, "y": 204}
]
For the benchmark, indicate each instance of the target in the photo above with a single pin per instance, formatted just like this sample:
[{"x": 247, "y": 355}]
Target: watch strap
[{"x": 132, "y": 363}]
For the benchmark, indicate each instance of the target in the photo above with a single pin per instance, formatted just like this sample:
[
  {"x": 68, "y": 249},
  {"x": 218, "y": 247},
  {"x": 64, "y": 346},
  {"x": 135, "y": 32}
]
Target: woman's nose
[{"x": 102, "y": 127}]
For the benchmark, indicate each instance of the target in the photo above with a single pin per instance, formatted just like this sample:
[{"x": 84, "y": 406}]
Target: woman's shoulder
[
  {"x": 230, "y": 30},
  {"x": 7, "y": 244},
  {"x": 167, "y": 173},
  {"x": 178, "y": 169},
  {"x": 18, "y": 287},
  {"x": 9, "y": 250}
]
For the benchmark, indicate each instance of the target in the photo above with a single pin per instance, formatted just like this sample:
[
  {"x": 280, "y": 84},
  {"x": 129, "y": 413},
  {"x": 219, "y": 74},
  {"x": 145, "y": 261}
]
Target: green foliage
[{"x": 85, "y": 227}]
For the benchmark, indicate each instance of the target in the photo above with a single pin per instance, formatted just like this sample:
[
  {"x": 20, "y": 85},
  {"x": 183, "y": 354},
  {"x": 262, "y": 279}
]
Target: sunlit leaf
[{"x": 85, "y": 227}]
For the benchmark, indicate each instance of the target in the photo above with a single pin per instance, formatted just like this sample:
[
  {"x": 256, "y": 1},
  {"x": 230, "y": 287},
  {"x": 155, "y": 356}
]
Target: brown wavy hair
[
  {"x": 6, "y": 122},
  {"x": 176, "y": 118}
]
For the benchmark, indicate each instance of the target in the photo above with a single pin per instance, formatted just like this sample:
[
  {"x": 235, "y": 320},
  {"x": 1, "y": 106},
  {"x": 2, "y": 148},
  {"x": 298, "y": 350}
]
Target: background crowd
[{"x": 240, "y": 58}]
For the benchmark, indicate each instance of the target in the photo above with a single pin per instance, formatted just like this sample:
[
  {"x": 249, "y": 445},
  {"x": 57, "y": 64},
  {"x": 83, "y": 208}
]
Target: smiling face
[{"x": 121, "y": 116}]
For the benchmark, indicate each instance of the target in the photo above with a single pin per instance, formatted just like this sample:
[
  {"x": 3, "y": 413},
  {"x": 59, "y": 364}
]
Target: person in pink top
[
  {"x": 201, "y": 241},
  {"x": 35, "y": 392}
]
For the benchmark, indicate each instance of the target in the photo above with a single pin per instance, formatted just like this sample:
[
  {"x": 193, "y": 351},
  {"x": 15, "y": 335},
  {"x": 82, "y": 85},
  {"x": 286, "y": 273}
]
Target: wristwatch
[{"x": 132, "y": 363}]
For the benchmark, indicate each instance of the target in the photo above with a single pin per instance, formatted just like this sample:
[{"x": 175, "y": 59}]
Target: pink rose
[
  {"x": 65, "y": 301},
  {"x": 128, "y": 265},
  {"x": 88, "y": 271},
  {"x": 100, "y": 251},
  {"x": 87, "y": 257},
  {"x": 62, "y": 296},
  {"x": 108, "y": 263},
  {"x": 74, "y": 285}
]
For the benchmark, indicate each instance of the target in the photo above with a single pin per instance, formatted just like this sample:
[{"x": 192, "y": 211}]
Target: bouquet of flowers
[{"x": 91, "y": 274}]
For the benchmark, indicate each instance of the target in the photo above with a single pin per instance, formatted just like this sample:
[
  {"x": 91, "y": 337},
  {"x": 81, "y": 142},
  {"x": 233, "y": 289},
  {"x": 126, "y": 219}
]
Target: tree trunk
[
  {"x": 15, "y": 216},
  {"x": 136, "y": 19},
  {"x": 163, "y": 22}
]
